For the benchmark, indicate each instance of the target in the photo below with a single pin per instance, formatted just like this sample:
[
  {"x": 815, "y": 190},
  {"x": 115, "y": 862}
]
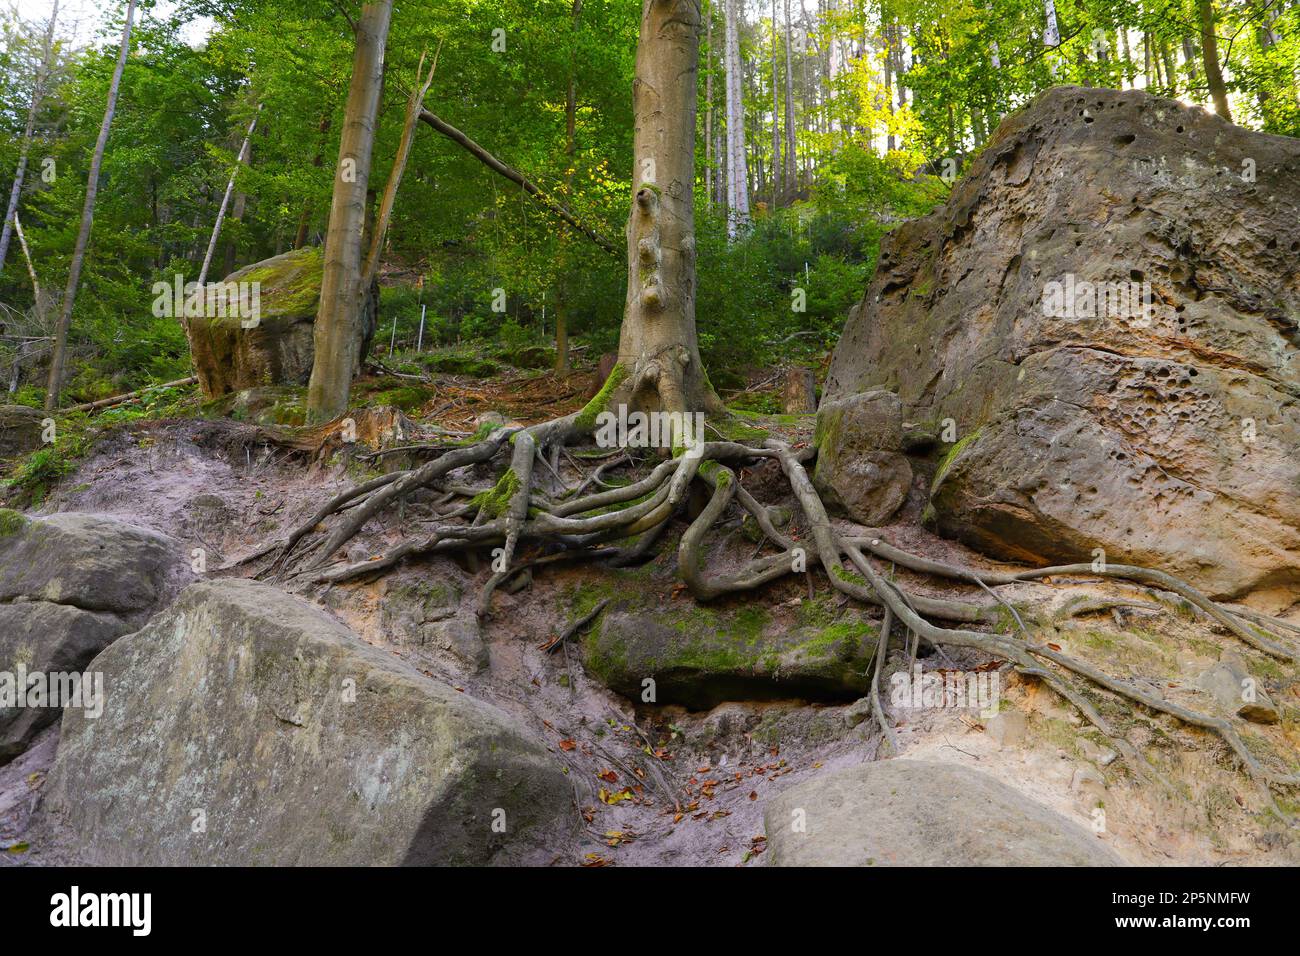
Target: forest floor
[{"x": 660, "y": 785}]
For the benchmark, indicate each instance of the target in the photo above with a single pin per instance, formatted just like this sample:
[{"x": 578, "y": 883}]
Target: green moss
[
  {"x": 951, "y": 456},
  {"x": 459, "y": 363},
  {"x": 11, "y": 522},
  {"x": 844, "y": 574},
  {"x": 586, "y": 420},
  {"x": 496, "y": 499},
  {"x": 405, "y": 397},
  {"x": 733, "y": 429}
]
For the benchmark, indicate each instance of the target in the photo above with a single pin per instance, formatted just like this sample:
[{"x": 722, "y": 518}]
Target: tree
[
  {"x": 658, "y": 351},
  {"x": 737, "y": 169},
  {"x": 338, "y": 334},
  {"x": 42, "y": 77},
  {"x": 87, "y": 219},
  {"x": 1210, "y": 58}
]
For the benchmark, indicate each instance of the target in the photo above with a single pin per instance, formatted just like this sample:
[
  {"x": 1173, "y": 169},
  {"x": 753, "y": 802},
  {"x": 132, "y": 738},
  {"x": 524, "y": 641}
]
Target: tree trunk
[
  {"x": 338, "y": 333},
  {"x": 737, "y": 168},
  {"x": 570, "y": 150},
  {"x": 414, "y": 104},
  {"x": 791, "y": 160},
  {"x": 1210, "y": 57},
  {"x": 225, "y": 199},
  {"x": 799, "y": 391},
  {"x": 304, "y": 220},
  {"x": 659, "y": 358},
  {"x": 708, "y": 104},
  {"x": 776, "y": 116},
  {"x": 1171, "y": 76},
  {"x": 59, "y": 357},
  {"x": 38, "y": 93}
]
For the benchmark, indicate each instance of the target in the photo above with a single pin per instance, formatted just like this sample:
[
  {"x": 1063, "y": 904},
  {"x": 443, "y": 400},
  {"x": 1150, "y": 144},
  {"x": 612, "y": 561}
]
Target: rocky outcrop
[
  {"x": 233, "y": 353},
  {"x": 920, "y": 813},
  {"x": 701, "y": 656},
  {"x": 860, "y": 469},
  {"x": 243, "y": 726},
  {"x": 20, "y": 430},
  {"x": 71, "y": 584},
  {"x": 1106, "y": 318}
]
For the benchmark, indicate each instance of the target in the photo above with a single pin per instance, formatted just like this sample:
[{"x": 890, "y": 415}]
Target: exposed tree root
[{"x": 574, "y": 523}]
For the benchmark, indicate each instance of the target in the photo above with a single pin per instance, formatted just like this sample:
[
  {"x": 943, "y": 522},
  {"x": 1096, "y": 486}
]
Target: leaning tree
[{"x": 531, "y": 516}]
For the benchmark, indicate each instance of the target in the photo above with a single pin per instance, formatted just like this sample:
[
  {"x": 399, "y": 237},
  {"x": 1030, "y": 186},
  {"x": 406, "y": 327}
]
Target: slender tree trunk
[
  {"x": 708, "y": 103},
  {"x": 570, "y": 150},
  {"x": 304, "y": 220},
  {"x": 737, "y": 169},
  {"x": 776, "y": 115},
  {"x": 338, "y": 333},
  {"x": 1171, "y": 75},
  {"x": 38, "y": 93},
  {"x": 1210, "y": 56},
  {"x": 889, "y": 85},
  {"x": 791, "y": 157},
  {"x": 225, "y": 199},
  {"x": 59, "y": 357},
  {"x": 414, "y": 104},
  {"x": 658, "y": 350}
]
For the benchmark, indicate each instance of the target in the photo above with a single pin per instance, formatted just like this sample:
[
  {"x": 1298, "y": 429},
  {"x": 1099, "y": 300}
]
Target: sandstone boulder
[
  {"x": 860, "y": 470},
  {"x": 71, "y": 584},
  {"x": 295, "y": 743},
  {"x": 701, "y": 656},
  {"x": 20, "y": 430},
  {"x": 1108, "y": 310},
  {"x": 921, "y": 813},
  {"x": 279, "y": 348}
]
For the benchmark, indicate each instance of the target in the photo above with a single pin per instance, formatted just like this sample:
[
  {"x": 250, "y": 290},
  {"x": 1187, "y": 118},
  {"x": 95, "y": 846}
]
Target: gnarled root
[{"x": 575, "y": 523}]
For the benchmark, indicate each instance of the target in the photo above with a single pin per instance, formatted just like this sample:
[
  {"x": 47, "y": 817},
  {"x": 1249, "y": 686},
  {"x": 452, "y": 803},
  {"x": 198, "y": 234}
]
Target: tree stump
[{"x": 799, "y": 393}]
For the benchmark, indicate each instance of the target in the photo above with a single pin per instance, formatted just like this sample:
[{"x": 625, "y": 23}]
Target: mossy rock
[
  {"x": 701, "y": 656},
  {"x": 270, "y": 405},
  {"x": 20, "y": 430},
  {"x": 278, "y": 349},
  {"x": 459, "y": 363}
]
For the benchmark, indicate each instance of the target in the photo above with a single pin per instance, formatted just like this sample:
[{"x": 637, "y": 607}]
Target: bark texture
[
  {"x": 339, "y": 334},
  {"x": 658, "y": 352}
]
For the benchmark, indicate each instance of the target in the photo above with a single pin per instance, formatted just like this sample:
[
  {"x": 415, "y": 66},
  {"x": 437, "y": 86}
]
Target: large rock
[
  {"x": 246, "y": 727},
  {"x": 919, "y": 813},
  {"x": 860, "y": 469},
  {"x": 701, "y": 656},
  {"x": 20, "y": 430},
  {"x": 279, "y": 348},
  {"x": 1166, "y": 436},
  {"x": 71, "y": 584}
]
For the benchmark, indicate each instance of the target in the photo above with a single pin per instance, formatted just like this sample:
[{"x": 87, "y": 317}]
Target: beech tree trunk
[
  {"x": 339, "y": 331},
  {"x": 1210, "y": 58},
  {"x": 38, "y": 93},
  {"x": 570, "y": 149},
  {"x": 777, "y": 168},
  {"x": 225, "y": 199},
  {"x": 59, "y": 357},
  {"x": 737, "y": 168},
  {"x": 658, "y": 352},
  {"x": 708, "y": 105},
  {"x": 791, "y": 169}
]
